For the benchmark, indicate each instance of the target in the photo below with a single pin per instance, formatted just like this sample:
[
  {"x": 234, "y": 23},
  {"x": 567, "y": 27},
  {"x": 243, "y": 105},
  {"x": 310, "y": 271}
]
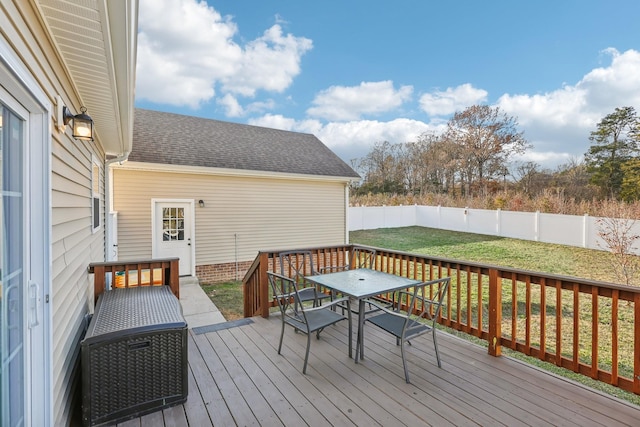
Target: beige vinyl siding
[
  {"x": 242, "y": 215},
  {"x": 73, "y": 245}
]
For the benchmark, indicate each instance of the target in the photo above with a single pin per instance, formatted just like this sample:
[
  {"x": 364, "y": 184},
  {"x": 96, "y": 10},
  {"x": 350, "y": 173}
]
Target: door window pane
[
  {"x": 12, "y": 289},
  {"x": 172, "y": 224}
]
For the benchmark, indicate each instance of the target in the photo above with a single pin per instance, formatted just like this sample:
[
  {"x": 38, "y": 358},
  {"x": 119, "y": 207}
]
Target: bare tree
[
  {"x": 487, "y": 138},
  {"x": 378, "y": 165},
  {"x": 436, "y": 163},
  {"x": 616, "y": 229},
  {"x": 410, "y": 157},
  {"x": 524, "y": 174}
]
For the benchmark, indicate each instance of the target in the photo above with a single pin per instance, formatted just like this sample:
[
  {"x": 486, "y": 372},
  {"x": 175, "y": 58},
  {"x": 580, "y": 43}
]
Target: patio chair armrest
[
  {"x": 437, "y": 296},
  {"x": 329, "y": 304},
  {"x": 385, "y": 308},
  {"x": 418, "y": 298},
  {"x": 284, "y": 296},
  {"x": 428, "y": 301}
]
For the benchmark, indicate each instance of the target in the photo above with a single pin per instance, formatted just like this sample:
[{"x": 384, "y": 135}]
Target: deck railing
[
  {"x": 586, "y": 326},
  {"x": 125, "y": 274}
]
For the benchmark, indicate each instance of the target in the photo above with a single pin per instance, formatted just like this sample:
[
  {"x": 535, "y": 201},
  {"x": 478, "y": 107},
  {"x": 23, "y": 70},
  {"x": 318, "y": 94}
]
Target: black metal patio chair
[
  {"x": 297, "y": 265},
  {"x": 302, "y": 317},
  {"x": 414, "y": 313},
  {"x": 359, "y": 257}
]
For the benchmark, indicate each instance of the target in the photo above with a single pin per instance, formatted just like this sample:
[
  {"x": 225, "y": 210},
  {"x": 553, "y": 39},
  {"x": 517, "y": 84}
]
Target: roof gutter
[
  {"x": 245, "y": 173},
  {"x": 111, "y": 241}
]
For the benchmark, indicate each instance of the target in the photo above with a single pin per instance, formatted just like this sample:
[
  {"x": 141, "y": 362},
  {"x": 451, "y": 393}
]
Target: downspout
[
  {"x": 108, "y": 179},
  {"x": 346, "y": 213},
  {"x": 347, "y": 209}
]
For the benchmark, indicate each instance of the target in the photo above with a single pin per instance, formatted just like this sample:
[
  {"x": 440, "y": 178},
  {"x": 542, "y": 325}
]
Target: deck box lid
[{"x": 143, "y": 308}]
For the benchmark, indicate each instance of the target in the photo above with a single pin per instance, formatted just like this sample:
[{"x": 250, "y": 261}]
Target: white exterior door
[
  {"x": 24, "y": 271},
  {"x": 173, "y": 232}
]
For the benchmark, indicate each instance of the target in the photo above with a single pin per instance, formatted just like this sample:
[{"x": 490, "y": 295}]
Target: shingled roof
[{"x": 175, "y": 139}]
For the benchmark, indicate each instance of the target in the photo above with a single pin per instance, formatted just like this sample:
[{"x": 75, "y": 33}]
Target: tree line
[{"x": 473, "y": 157}]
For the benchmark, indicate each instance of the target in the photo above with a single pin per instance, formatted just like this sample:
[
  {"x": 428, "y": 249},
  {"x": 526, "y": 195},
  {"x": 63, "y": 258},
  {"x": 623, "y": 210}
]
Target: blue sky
[{"x": 355, "y": 72}]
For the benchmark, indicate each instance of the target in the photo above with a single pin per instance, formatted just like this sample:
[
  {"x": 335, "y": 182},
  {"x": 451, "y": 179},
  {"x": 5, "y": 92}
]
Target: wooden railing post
[
  {"x": 495, "y": 313},
  {"x": 263, "y": 286},
  {"x": 174, "y": 276},
  {"x": 99, "y": 284}
]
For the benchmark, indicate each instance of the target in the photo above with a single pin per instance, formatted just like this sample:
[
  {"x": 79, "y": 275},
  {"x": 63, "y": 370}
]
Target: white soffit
[{"x": 96, "y": 40}]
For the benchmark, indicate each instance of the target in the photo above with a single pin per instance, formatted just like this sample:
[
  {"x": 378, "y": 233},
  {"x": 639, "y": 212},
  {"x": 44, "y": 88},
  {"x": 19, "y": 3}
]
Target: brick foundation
[{"x": 216, "y": 273}]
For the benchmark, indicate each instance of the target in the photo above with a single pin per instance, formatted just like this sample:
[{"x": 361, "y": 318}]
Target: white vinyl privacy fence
[{"x": 572, "y": 230}]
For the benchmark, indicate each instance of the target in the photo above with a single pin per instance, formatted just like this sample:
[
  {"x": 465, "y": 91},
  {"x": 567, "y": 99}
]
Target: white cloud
[
  {"x": 231, "y": 105},
  {"x": 548, "y": 159},
  {"x": 275, "y": 121},
  {"x": 269, "y": 62},
  {"x": 562, "y": 120},
  {"x": 260, "y": 106},
  {"x": 368, "y": 132},
  {"x": 344, "y": 103},
  {"x": 354, "y": 139},
  {"x": 278, "y": 121},
  {"x": 607, "y": 87},
  {"x": 186, "y": 49},
  {"x": 451, "y": 100}
]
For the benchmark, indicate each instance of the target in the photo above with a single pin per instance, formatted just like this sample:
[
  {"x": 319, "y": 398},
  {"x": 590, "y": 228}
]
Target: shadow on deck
[{"x": 236, "y": 377}]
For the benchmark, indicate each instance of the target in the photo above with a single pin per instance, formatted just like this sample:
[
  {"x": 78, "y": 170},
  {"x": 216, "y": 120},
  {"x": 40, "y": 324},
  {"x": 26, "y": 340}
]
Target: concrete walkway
[{"x": 197, "y": 308}]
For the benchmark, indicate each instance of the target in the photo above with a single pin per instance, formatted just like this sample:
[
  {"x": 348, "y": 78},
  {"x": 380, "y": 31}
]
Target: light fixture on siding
[
  {"x": 82, "y": 123},
  {"x": 201, "y": 203}
]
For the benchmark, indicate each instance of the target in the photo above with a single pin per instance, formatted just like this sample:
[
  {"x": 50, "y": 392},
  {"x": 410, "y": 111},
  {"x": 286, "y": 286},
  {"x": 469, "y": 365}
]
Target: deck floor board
[{"x": 236, "y": 377}]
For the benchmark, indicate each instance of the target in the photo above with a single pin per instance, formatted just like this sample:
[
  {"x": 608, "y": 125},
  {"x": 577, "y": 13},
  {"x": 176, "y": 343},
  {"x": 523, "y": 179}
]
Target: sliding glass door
[{"x": 24, "y": 265}]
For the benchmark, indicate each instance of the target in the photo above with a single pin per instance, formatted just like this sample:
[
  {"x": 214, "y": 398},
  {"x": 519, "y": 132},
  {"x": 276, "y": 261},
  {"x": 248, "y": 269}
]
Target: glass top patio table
[{"x": 361, "y": 283}]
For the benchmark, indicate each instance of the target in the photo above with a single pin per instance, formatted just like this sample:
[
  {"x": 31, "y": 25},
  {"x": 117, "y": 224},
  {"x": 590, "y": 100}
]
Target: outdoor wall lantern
[
  {"x": 201, "y": 203},
  {"x": 82, "y": 123}
]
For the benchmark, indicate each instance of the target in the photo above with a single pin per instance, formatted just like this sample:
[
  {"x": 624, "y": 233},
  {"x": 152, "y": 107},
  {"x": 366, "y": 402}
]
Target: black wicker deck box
[{"x": 134, "y": 355}]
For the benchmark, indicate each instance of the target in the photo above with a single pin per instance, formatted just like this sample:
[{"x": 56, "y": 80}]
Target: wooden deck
[{"x": 236, "y": 377}]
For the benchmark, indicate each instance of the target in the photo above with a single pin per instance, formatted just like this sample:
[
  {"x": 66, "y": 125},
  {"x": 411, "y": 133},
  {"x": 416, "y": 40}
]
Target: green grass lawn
[
  {"x": 521, "y": 254},
  {"x": 227, "y": 297}
]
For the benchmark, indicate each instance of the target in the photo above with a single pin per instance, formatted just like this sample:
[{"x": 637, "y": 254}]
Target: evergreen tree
[{"x": 614, "y": 144}]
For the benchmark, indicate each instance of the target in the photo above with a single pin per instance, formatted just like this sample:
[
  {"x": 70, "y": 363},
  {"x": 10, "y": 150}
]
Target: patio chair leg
[
  {"x": 404, "y": 363},
  {"x": 306, "y": 356},
  {"x": 435, "y": 345},
  {"x": 281, "y": 336}
]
